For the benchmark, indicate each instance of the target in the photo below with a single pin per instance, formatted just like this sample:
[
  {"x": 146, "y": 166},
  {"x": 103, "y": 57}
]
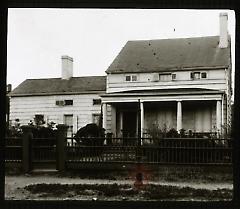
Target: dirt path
[{"x": 14, "y": 184}]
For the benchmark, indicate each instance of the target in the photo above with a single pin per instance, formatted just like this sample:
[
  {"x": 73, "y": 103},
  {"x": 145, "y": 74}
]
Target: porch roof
[
  {"x": 162, "y": 95},
  {"x": 159, "y": 92}
]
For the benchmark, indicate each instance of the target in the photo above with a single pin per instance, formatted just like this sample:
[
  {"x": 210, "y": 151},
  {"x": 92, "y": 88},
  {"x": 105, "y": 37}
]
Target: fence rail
[
  {"x": 151, "y": 150},
  {"x": 62, "y": 150},
  {"x": 13, "y": 149}
]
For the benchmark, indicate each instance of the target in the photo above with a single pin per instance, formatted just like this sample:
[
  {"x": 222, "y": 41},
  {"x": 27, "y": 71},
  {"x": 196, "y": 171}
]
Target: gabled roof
[
  {"x": 170, "y": 54},
  {"x": 57, "y": 86}
]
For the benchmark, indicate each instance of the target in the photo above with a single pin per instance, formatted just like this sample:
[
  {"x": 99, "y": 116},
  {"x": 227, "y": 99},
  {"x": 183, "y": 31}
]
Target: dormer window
[{"x": 130, "y": 78}]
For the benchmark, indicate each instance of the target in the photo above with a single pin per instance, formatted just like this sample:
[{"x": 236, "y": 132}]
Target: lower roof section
[
  {"x": 58, "y": 86},
  {"x": 162, "y": 95}
]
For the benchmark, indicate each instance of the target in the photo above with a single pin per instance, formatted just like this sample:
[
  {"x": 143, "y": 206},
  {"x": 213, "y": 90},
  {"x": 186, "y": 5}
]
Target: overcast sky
[{"x": 37, "y": 38}]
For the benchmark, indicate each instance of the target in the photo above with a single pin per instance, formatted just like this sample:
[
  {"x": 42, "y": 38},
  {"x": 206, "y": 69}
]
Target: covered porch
[{"x": 199, "y": 111}]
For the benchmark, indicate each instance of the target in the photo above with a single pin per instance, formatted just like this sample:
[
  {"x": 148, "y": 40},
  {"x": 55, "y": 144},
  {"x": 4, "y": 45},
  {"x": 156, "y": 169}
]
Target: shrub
[
  {"x": 172, "y": 133},
  {"x": 89, "y": 134}
]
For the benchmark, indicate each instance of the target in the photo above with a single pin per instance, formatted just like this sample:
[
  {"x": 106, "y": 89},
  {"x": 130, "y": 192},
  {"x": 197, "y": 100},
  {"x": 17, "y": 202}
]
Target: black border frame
[{"x": 138, "y": 4}]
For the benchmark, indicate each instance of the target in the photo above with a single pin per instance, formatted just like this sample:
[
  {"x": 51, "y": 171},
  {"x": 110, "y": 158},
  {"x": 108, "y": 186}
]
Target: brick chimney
[
  {"x": 9, "y": 88},
  {"x": 223, "y": 36},
  {"x": 67, "y": 67}
]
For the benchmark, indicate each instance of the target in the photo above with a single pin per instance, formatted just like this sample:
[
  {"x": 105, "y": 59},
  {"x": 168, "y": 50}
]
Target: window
[
  {"x": 195, "y": 75},
  {"x": 198, "y": 75},
  {"x": 60, "y": 103},
  {"x": 134, "y": 78},
  {"x": 64, "y": 102},
  {"x": 96, "y": 118},
  {"x": 68, "y": 102},
  {"x": 130, "y": 78},
  {"x": 174, "y": 76},
  {"x": 39, "y": 119},
  {"x": 68, "y": 120},
  {"x": 204, "y": 75},
  {"x": 97, "y": 101},
  {"x": 165, "y": 77}
]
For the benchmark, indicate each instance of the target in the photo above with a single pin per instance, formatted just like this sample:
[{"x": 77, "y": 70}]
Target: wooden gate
[{"x": 43, "y": 153}]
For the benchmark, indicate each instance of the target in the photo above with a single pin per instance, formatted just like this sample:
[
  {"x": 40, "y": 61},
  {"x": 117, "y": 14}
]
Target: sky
[{"x": 37, "y": 38}]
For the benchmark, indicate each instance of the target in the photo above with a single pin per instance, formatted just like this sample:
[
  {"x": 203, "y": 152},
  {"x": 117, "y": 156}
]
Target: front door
[{"x": 129, "y": 124}]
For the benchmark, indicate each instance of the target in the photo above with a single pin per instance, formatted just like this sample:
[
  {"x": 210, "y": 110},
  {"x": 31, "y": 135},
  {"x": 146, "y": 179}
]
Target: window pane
[
  {"x": 197, "y": 75},
  {"x": 174, "y": 76},
  {"x": 192, "y": 75},
  {"x": 203, "y": 75},
  {"x": 96, "y": 119},
  {"x": 96, "y": 101},
  {"x": 128, "y": 78},
  {"x": 68, "y": 120},
  {"x": 165, "y": 77},
  {"x": 39, "y": 119},
  {"x": 68, "y": 102},
  {"x": 134, "y": 78}
]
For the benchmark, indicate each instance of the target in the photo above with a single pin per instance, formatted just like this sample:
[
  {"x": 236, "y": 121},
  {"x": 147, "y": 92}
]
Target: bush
[
  {"x": 89, "y": 134},
  {"x": 172, "y": 133}
]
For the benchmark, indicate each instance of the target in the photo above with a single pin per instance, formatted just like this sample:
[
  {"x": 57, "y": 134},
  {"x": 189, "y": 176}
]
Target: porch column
[
  {"x": 219, "y": 115},
  {"x": 121, "y": 121},
  {"x": 104, "y": 116},
  {"x": 113, "y": 121},
  {"x": 179, "y": 115},
  {"x": 142, "y": 118}
]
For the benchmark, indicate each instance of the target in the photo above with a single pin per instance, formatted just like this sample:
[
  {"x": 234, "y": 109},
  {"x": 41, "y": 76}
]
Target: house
[
  {"x": 180, "y": 83},
  {"x": 74, "y": 101}
]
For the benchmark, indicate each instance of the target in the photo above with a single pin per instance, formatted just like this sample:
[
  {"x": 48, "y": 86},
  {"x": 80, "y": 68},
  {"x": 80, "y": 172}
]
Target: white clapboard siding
[
  {"x": 216, "y": 80},
  {"x": 25, "y": 108}
]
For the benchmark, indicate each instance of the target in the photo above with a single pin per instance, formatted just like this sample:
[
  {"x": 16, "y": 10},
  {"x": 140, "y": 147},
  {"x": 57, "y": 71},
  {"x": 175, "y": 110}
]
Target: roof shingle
[
  {"x": 59, "y": 86},
  {"x": 170, "y": 54}
]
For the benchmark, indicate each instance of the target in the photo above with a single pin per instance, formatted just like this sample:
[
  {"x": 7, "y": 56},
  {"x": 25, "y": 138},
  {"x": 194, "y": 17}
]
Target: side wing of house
[
  {"x": 74, "y": 101},
  {"x": 73, "y": 110}
]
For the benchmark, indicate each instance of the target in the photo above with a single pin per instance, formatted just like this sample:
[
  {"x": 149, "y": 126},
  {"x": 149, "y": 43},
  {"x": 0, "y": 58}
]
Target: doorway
[{"x": 129, "y": 124}]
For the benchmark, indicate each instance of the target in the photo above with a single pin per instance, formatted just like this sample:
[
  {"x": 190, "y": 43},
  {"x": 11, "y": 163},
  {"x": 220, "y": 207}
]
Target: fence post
[
  {"x": 61, "y": 146},
  {"x": 26, "y": 148}
]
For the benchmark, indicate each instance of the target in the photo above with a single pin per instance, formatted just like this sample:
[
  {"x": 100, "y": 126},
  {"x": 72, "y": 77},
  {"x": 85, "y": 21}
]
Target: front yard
[{"x": 107, "y": 186}]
